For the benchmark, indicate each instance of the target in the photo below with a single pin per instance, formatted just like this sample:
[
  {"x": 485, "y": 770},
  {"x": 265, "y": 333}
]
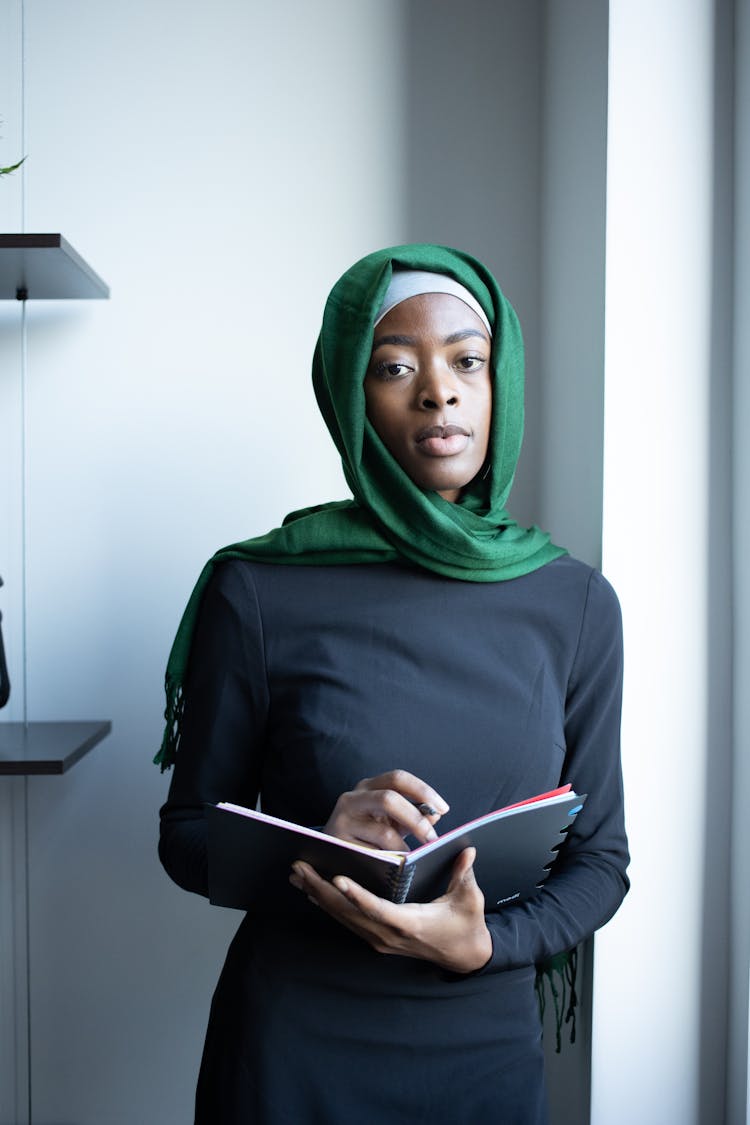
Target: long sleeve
[
  {"x": 588, "y": 881},
  {"x": 223, "y": 726}
]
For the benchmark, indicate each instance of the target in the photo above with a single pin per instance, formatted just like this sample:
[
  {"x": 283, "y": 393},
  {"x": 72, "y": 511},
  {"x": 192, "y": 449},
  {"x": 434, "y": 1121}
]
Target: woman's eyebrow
[
  {"x": 464, "y": 334},
  {"x": 407, "y": 341}
]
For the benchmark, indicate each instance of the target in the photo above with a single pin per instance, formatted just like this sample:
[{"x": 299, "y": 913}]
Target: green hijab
[{"x": 390, "y": 518}]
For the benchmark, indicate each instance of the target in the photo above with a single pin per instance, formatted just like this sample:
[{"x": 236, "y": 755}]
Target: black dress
[{"x": 303, "y": 681}]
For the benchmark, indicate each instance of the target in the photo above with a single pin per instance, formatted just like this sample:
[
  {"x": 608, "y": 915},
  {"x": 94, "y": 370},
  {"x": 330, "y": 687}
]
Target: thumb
[{"x": 462, "y": 876}]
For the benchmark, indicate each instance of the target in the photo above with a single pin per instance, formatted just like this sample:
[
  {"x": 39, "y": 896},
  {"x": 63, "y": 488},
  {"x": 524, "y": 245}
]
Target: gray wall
[
  {"x": 573, "y": 215},
  {"x": 474, "y": 130},
  {"x": 506, "y": 126},
  {"x": 717, "y": 987}
]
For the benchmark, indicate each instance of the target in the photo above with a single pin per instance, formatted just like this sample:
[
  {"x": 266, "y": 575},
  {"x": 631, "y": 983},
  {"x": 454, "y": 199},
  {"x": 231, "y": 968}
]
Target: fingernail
[
  {"x": 295, "y": 881},
  {"x": 432, "y": 835},
  {"x": 341, "y": 884}
]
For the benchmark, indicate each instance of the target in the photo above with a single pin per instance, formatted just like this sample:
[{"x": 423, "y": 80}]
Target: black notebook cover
[{"x": 250, "y": 855}]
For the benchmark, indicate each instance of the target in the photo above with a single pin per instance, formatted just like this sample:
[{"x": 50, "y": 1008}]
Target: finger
[
  {"x": 410, "y": 786},
  {"x": 344, "y": 908},
  {"x": 382, "y": 820},
  {"x": 300, "y": 879},
  {"x": 387, "y": 804},
  {"x": 320, "y": 892},
  {"x": 379, "y": 834},
  {"x": 346, "y": 899},
  {"x": 306, "y": 878},
  {"x": 377, "y": 910}
]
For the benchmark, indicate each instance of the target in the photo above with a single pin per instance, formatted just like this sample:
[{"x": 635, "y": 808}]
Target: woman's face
[{"x": 428, "y": 390}]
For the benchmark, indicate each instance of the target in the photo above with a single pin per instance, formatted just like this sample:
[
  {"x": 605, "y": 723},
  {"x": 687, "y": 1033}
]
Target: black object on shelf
[
  {"x": 45, "y": 266},
  {"x": 47, "y": 748},
  {"x": 4, "y": 678}
]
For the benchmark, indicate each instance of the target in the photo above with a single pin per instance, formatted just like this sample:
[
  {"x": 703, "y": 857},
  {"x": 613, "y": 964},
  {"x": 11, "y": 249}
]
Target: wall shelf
[
  {"x": 47, "y": 748},
  {"x": 25, "y": 749},
  {"x": 45, "y": 267}
]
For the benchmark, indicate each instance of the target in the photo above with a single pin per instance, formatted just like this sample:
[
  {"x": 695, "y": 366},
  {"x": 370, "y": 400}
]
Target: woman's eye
[
  {"x": 470, "y": 362},
  {"x": 391, "y": 370}
]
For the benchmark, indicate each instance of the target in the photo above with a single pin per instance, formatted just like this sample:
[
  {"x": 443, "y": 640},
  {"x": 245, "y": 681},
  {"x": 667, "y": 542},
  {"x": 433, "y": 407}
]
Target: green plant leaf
[{"x": 11, "y": 168}]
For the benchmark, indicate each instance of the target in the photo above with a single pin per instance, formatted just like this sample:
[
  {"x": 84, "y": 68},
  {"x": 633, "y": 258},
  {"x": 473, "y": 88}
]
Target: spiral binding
[{"x": 399, "y": 882}]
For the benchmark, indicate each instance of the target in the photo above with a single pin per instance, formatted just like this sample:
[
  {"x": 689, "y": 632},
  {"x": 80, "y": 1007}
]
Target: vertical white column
[{"x": 658, "y": 288}]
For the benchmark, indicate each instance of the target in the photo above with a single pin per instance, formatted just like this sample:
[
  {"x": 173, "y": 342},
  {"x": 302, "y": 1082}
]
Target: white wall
[
  {"x": 647, "y": 1017},
  {"x": 219, "y": 165}
]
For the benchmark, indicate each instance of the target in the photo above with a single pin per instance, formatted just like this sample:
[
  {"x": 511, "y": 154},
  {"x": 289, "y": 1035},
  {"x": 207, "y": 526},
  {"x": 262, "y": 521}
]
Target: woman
[{"x": 381, "y": 666}]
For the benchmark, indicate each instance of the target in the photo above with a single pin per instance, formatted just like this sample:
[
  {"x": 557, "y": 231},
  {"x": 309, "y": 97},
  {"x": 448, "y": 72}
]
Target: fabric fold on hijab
[{"x": 390, "y": 518}]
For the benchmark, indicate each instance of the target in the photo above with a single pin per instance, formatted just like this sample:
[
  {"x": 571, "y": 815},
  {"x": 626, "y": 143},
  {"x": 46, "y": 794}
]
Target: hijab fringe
[
  {"x": 564, "y": 967},
  {"x": 175, "y": 706}
]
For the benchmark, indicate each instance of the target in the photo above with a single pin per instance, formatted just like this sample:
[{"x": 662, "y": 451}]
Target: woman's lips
[{"x": 442, "y": 441}]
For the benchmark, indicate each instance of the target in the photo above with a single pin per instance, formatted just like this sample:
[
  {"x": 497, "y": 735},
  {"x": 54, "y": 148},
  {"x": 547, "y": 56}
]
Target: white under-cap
[{"x": 410, "y": 283}]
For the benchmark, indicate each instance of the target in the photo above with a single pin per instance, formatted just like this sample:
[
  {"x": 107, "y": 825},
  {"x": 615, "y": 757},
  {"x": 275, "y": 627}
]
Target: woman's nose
[{"x": 436, "y": 390}]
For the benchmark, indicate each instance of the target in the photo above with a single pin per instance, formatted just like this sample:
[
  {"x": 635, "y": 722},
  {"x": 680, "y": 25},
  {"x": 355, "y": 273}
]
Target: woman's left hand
[{"x": 450, "y": 931}]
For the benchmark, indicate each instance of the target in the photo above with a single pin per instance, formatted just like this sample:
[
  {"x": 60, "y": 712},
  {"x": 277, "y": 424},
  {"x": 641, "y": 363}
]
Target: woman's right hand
[{"x": 381, "y": 811}]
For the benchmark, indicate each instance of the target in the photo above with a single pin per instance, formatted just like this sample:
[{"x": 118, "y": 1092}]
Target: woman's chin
[{"x": 442, "y": 477}]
